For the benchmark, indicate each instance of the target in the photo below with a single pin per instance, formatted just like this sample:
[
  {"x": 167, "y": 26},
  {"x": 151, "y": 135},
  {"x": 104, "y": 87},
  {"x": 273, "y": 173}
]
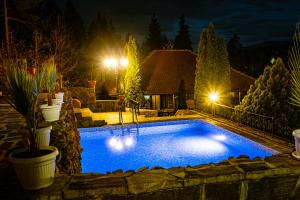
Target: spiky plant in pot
[
  {"x": 50, "y": 79},
  {"x": 23, "y": 90}
]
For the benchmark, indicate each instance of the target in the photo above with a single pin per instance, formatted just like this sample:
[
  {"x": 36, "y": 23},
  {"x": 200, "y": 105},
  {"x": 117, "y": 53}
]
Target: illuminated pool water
[{"x": 165, "y": 144}]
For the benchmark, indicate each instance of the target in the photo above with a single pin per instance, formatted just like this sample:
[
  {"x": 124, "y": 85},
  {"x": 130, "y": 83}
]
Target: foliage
[
  {"x": 234, "y": 48},
  {"x": 23, "y": 91},
  {"x": 212, "y": 69},
  {"x": 102, "y": 36},
  {"x": 154, "y": 39},
  {"x": 50, "y": 75},
  {"x": 269, "y": 96},
  {"x": 181, "y": 96},
  {"x": 74, "y": 24},
  {"x": 294, "y": 64},
  {"x": 183, "y": 39},
  {"x": 50, "y": 78},
  {"x": 133, "y": 88},
  {"x": 62, "y": 49}
]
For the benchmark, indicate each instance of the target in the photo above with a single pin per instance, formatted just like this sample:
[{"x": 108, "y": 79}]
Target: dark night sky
[{"x": 253, "y": 20}]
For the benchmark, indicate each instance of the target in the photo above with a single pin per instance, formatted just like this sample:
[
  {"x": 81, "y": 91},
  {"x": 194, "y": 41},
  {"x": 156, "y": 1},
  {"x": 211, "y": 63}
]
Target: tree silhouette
[
  {"x": 181, "y": 95},
  {"x": 74, "y": 24},
  {"x": 234, "y": 48},
  {"x": 182, "y": 39},
  {"x": 154, "y": 39}
]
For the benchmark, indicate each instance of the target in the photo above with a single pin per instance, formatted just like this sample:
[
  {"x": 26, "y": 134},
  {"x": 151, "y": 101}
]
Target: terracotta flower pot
[
  {"x": 32, "y": 70},
  {"x": 92, "y": 84}
]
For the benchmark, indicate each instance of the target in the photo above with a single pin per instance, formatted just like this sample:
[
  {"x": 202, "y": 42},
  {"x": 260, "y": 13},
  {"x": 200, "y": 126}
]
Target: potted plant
[
  {"x": 294, "y": 64},
  {"x": 51, "y": 110},
  {"x": 34, "y": 164}
]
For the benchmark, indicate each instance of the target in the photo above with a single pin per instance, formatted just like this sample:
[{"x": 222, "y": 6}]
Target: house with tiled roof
[{"x": 162, "y": 71}]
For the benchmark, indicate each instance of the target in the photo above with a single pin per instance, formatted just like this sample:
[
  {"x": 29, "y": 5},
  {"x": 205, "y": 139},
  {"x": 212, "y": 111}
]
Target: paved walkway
[
  {"x": 11, "y": 125},
  {"x": 112, "y": 118}
]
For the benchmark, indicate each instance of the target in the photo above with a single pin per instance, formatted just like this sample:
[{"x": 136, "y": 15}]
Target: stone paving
[{"x": 11, "y": 126}]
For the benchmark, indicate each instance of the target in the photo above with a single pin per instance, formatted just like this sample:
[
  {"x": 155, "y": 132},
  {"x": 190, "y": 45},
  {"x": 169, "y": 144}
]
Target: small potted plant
[
  {"x": 34, "y": 164},
  {"x": 294, "y": 64},
  {"x": 50, "y": 111}
]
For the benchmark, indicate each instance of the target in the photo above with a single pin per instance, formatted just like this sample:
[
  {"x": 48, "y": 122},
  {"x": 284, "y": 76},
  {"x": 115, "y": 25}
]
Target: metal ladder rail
[
  {"x": 134, "y": 108},
  {"x": 121, "y": 116}
]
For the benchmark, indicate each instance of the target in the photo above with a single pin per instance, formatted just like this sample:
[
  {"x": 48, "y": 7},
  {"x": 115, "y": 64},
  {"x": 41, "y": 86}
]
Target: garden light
[
  {"x": 124, "y": 62},
  {"x": 111, "y": 62},
  {"x": 213, "y": 97}
]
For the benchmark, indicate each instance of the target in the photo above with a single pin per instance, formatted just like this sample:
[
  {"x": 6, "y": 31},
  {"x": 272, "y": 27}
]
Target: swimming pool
[{"x": 166, "y": 144}]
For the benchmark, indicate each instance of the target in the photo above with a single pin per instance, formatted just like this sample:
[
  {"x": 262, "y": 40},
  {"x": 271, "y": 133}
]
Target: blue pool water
[{"x": 165, "y": 144}]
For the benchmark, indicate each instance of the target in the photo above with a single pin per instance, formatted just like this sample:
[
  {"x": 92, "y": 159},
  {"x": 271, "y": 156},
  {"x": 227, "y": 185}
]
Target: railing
[
  {"x": 269, "y": 125},
  {"x": 135, "y": 106}
]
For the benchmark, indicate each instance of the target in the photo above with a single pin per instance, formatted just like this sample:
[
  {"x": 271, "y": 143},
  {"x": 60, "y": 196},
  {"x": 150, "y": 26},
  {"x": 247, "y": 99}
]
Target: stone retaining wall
[
  {"x": 66, "y": 138},
  {"x": 276, "y": 177}
]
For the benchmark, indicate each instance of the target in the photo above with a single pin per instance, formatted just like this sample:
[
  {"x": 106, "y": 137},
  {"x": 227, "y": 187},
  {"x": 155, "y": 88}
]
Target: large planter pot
[
  {"x": 296, "y": 134},
  {"x": 50, "y": 113},
  {"x": 43, "y": 136},
  {"x": 92, "y": 84},
  {"x": 35, "y": 173}
]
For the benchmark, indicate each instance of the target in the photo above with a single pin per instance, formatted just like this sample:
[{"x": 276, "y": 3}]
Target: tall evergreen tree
[
  {"x": 74, "y": 24},
  {"x": 234, "y": 48},
  {"x": 212, "y": 68},
  {"x": 182, "y": 39},
  {"x": 181, "y": 95},
  {"x": 133, "y": 88},
  {"x": 154, "y": 39}
]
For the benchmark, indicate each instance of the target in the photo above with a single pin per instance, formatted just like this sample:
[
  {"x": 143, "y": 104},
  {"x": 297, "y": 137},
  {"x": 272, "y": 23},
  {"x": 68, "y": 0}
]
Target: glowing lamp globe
[{"x": 213, "y": 97}]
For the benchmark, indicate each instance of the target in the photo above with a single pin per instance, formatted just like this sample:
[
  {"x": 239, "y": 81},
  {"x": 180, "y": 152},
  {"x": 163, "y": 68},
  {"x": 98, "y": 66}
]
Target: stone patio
[{"x": 276, "y": 177}]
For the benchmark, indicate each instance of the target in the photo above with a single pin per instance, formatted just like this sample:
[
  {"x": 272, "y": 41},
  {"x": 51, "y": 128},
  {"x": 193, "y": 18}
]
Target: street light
[
  {"x": 213, "y": 97},
  {"x": 114, "y": 63}
]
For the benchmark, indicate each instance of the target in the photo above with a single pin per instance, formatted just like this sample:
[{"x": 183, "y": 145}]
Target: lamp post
[
  {"x": 213, "y": 97},
  {"x": 115, "y": 64}
]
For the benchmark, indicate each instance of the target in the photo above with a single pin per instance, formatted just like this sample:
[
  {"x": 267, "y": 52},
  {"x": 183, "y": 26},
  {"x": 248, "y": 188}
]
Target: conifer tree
[
  {"x": 154, "y": 39},
  {"x": 234, "y": 48},
  {"x": 212, "y": 69},
  {"x": 182, "y": 39},
  {"x": 181, "y": 95},
  {"x": 74, "y": 24},
  {"x": 133, "y": 88},
  {"x": 269, "y": 96}
]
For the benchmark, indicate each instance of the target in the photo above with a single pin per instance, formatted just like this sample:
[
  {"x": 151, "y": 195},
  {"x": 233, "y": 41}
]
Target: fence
[{"x": 270, "y": 125}]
